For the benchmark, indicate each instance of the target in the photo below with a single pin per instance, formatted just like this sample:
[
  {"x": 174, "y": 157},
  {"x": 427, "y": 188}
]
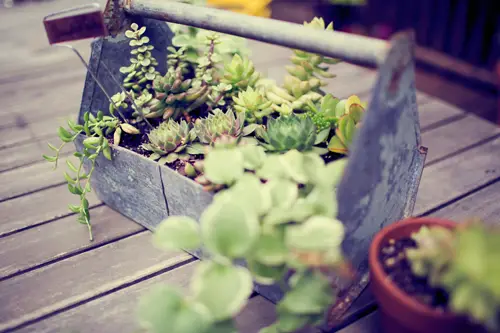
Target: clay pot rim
[{"x": 387, "y": 284}]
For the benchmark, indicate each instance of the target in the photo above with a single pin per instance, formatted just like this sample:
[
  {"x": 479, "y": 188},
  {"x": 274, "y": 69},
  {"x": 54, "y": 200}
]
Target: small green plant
[
  {"x": 466, "y": 263},
  {"x": 95, "y": 129},
  {"x": 278, "y": 215}
]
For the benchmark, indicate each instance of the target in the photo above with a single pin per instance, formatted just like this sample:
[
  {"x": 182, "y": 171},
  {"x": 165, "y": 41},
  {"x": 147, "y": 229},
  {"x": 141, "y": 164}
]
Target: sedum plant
[
  {"x": 465, "y": 262},
  {"x": 96, "y": 128},
  {"x": 253, "y": 104},
  {"x": 278, "y": 215}
]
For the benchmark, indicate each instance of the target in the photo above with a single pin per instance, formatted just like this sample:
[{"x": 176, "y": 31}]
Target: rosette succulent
[
  {"x": 169, "y": 141},
  {"x": 289, "y": 132},
  {"x": 350, "y": 113},
  {"x": 253, "y": 104},
  {"x": 240, "y": 73},
  {"x": 219, "y": 124}
]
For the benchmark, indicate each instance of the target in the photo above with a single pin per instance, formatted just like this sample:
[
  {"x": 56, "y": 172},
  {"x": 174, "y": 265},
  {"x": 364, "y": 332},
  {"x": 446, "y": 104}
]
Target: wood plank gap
[
  {"x": 103, "y": 290},
  {"x": 61, "y": 155},
  {"x": 34, "y": 225},
  {"x": 443, "y": 122},
  {"x": 36, "y": 137},
  {"x": 460, "y": 197},
  {"x": 70, "y": 255},
  {"x": 462, "y": 150},
  {"x": 33, "y": 191}
]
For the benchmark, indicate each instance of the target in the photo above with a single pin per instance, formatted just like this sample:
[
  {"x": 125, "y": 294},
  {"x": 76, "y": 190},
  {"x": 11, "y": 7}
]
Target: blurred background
[{"x": 458, "y": 40}]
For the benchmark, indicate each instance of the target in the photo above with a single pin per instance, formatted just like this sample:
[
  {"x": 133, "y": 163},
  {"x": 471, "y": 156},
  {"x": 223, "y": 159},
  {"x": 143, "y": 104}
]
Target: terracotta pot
[{"x": 400, "y": 313}]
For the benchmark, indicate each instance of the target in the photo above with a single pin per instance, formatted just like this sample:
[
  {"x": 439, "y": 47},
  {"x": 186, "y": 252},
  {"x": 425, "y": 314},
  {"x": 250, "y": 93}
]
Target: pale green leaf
[
  {"x": 224, "y": 166},
  {"x": 318, "y": 233},
  {"x": 177, "y": 232},
  {"x": 223, "y": 289}
]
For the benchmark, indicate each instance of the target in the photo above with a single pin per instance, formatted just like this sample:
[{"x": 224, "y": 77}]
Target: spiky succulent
[
  {"x": 169, "y": 141},
  {"x": 289, "y": 132},
  {"x": 240, "y": 73},
  {"x": 350, "y": 112},
  {"x": 254, "y": 104},
  {"x": 219, "y": 124},
  {"x": 466, "y": 263}
]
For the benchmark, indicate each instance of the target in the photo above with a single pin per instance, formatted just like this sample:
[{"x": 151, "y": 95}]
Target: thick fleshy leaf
[
  {"x": 271, "y": 168},
  {"x": 311, "y": 295},
  {"x": 223, "y": 289},
  {"x": 226, "y": 326},
  {"x": 334, "y": 171},
  {"x": 318, "y": 233},
  {"x": 224, "y": 166},
  {"x": 177, "y": 232},
  {"x": 323, "y": 201},
  {"x": 336, "y": 146},
  {"x": 163, "y": 309},
  {"x": 253, "y": 156},
  {"x": 314, "y": 168},
  {"x": 292, "y": 164},
  {"x": 283, "y": 192},
  {"x": 265, "y": 274},
  {"x": 322, "y": 136},
  {"x": 251, "y": 194},
  {"x": 270, "y": 248},
  {"x": 228, "y": 228}
]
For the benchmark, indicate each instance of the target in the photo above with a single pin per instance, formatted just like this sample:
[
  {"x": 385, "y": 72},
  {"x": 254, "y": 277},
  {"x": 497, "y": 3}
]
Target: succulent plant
[
  {"x": 307, "y": 70},
  {"x": 169, "y": 141},
  {"x": 254, "y": 104},
  {"x": 324, "y": 115},
  {"x": 218, "y": 124},
  {"x": 465, "y": 262},
  {"x": 240, "y": 73},
  {"x": 350, "y": 112},
  {"x": 289, "y": 132}
]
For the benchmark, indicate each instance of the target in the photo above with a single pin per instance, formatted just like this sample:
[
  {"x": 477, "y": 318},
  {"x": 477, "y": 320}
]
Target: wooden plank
[
  {"x": 31, "y": 178},
  {"x": 61, "y": 238},
  {"x": 455, "y": 176},
  {"x": 30, "y": 152},
  {"x": 483, "y": 204},
  {"x": 435, "y": 112},
  {"x": 368, "y": 324},
  {"x": 257, "y": 314},
  {"x": 34, "y": 209},
  {"x": 100, "y": 271},
  {"x": 457, "y": 135}
]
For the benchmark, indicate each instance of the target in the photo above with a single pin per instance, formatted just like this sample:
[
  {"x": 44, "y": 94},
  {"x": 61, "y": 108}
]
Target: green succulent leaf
[
  {"x": 223, "y": 289},
  {"x": 229, "y": 229},
  {"x": 318, "y": 233},
  {"x": 224, "y": 166},
  {"x": 177, "y": 232},
  {"x": 163, "y": 309}
]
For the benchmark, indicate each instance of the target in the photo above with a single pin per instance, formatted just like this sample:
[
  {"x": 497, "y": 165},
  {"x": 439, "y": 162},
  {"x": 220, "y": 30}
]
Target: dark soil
[{"x": 397, "y": 267}]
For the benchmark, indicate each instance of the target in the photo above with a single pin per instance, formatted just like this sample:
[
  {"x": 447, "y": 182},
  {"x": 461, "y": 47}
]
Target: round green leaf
[
  {"x": 318, "y": 233},
  {"x": 253, "y": 156},
  {"x": 270, "y": 248},
  {"x": 163, "y": 309},
  {"x": 229, "y": 229},
  {"x": 250, "y": 193},
  {"x": 264, "y": 274},
  {"x": 224, "y": 290},
  {"x": 311, "y": 295},
  {"x": 283, "y": 192},
  {"x": 224, "y": 166},
  {"x": 177, "y": 232},
  {"x": 292, "y": 163}
]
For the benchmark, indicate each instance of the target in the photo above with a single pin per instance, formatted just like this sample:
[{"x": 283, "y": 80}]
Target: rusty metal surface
[
  {"x": 353, "y": 48},
  {"x": 74, "y": 24}
]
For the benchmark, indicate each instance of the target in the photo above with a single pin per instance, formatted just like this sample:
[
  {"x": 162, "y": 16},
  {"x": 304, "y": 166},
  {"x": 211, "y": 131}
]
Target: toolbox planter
[{"x": 385, "y": 162}]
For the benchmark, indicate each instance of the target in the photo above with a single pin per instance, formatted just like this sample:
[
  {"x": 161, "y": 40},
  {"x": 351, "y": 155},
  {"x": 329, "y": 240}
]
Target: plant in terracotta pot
[
  {"x": 433, "y": 275},
  {"x": 277, "y": 214}
]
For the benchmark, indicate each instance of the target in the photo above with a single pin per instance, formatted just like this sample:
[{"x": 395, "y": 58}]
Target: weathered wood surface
[{"x": 53, "y": 279}]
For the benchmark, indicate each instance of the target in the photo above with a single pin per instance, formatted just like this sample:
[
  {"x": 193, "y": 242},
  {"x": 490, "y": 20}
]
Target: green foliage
[
  {"x": 240, "y": 73},
  {"x": 170, "y": 141},
  {"x": 253, "y": 104},
  {"x": 79, "y": 181},
  {"x": 350, "y": 113},
  {"x": 289, "y": 132},
  {"x": 466, "y": 263},
  {"x": 140, "y": 73},
  {"x": 277, "y": 214}
]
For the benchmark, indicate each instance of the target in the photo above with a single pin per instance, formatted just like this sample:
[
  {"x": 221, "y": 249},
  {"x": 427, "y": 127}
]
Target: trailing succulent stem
[
  {"x": 278, "y": 215},
  {"x": 96, "y": 129},
  {"x": 465, "y": 263}
]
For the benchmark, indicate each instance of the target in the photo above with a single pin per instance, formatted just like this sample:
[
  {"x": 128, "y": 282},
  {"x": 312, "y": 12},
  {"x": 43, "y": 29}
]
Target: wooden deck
[{"x": 52, "y": 279}]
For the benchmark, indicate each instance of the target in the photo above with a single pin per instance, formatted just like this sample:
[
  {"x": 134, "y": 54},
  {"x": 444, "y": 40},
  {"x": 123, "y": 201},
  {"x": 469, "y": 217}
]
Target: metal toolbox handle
[{"x": 351, "y": 48}]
